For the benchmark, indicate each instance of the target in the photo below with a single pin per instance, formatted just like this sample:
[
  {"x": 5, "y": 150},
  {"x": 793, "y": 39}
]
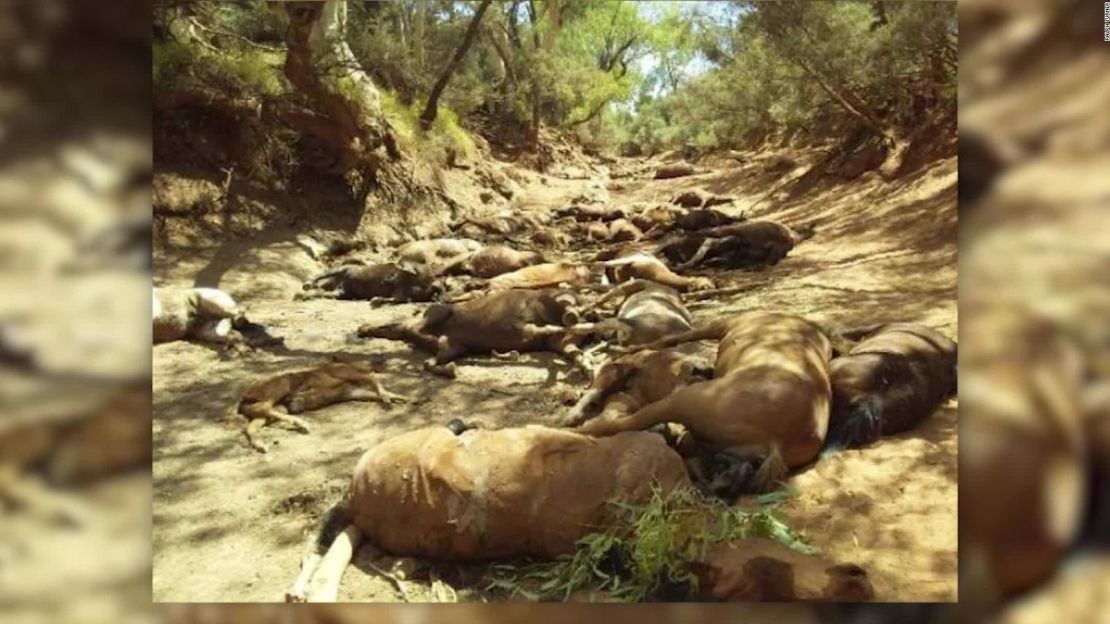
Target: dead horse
[
  {"x": 767, "y": 404},
  {"x": 891, "y": 381},
  {"x": 485, "y": 495}
]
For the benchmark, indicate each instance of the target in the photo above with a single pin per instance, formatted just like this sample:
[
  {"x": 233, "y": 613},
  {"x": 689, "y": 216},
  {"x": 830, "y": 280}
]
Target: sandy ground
[{"x": 229, "y": 524}]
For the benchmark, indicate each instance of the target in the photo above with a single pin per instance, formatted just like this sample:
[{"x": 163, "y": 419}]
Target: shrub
[{"x": 237, "y": 71}]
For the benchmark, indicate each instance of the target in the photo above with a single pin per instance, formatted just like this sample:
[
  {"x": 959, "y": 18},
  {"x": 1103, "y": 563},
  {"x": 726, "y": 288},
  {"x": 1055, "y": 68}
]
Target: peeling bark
[
  {"x": 501, "y": 48},
  {"x": 320, "y": 64},
  {"x": 420, "y": 25}
]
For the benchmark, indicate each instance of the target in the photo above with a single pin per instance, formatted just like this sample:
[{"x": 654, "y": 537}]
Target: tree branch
[
  {"x": 231, "y": 35},
  {"x": 619, "y": 54},
  {"x": 593, "y": 113}
]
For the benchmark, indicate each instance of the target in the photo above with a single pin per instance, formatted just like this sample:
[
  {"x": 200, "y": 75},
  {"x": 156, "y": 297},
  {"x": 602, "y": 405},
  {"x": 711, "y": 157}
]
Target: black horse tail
[
  {"x": 330, "y": 525},
  {"x": 861, "y": 425}
]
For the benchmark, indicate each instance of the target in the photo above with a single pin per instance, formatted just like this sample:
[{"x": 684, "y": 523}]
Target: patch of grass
[
  {"x": 259, "y": 71},
  {"x": 445, "y": 133},
  {"x": 646, "y": 553},
  {"x": 405, "y": 119},
  {"x": 241, "y": 70},
  {"x": 447, "y": 126}
]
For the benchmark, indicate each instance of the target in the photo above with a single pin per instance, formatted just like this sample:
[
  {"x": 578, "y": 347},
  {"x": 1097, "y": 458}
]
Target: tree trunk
[
  {"x": 880, "y": 20},
  {"x": 503, "y": 54},
  {"x": 429, "y": 114},
  {"x": 402, "y": 28},
  {"x": 321, "y": 65},
  {"x": 534, "y": 122},
  {"x": 513, "y": 31},
  {"x": 611, "y": 59},
  {"x": 554, "y": 15},
  {"x": 508, "y": 75},
  {"x": 418, "y": 31}
]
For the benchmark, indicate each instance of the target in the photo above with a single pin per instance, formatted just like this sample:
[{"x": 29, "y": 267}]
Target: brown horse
[
  {"x": 891, "y": 381},
  {"x": 485, "y": 495},
  {"x": 768, "y": 400}
]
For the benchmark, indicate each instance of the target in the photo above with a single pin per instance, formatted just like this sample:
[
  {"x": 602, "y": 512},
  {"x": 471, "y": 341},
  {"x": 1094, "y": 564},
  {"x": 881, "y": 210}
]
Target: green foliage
[
  {"x": 641, "y": 77},
  {"x": 389, "y": 59},
  {"x": 673, "y": 42},
  {"x": 565, "y": 72},
  {"x": 243, "y": 71},
  {"x": 213, "y": 46},
  {"x": 447, "y": 126},
  {"x": 594, "y": 57},
  {"x": 258, "y": 71},
  {"x": 648, "y": 549},
  {"x": 253, "y": 20},
  {"x": 169, "y": 59},
  {"x": 767, "y": 62},
  {"x": 191, "y": 62},
  {"x": 444, "y": 134}
]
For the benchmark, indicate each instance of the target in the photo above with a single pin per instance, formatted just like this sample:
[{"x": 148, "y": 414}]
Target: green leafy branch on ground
[{"x": 646, "y": 553}]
